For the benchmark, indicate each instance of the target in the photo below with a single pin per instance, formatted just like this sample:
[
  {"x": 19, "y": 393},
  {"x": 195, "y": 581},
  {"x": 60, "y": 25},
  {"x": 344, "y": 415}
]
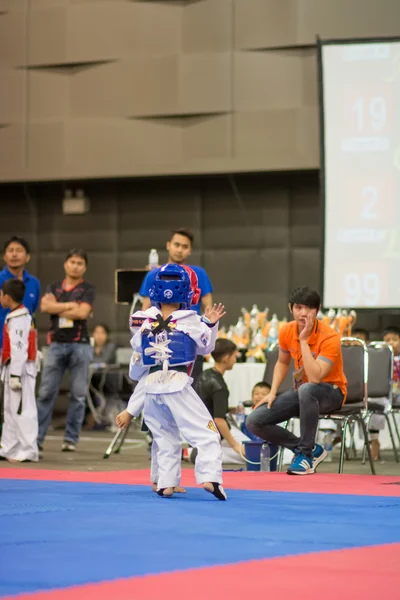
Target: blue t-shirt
[
  {"x": 31, "y": 298},
  {"x": 203, "y": 281}
]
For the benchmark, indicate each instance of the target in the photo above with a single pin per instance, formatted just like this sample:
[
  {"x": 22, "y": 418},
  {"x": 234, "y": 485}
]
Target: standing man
[
  {"x": 320, "y": 385},
  {"x": 69, "y": 304},
  {"x": 179, "y": 249},
  {"x": 16, "y": 257}
]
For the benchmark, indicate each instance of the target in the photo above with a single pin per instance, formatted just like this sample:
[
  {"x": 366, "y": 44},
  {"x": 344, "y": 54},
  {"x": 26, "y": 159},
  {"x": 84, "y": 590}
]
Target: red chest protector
[{"x": 32, "y": 338}]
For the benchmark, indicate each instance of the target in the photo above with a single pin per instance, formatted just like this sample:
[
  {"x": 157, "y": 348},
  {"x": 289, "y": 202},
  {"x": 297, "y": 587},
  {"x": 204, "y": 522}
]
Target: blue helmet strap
[{"x": 163, "y": 325}]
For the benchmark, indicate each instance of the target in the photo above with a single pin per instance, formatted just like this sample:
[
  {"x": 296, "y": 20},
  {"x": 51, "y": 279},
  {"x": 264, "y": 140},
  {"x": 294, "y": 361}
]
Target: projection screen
[{"x": 360, "y": 122}]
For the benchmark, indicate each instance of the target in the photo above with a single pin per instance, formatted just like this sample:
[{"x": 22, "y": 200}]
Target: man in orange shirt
[{"x": 320, "y": 385}]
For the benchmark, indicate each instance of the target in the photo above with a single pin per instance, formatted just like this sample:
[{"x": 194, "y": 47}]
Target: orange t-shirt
[{"x": 324, "y": 344}]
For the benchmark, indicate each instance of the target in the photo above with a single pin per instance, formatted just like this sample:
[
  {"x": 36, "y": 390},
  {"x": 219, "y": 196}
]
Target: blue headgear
[{"x": 171, "y": 286}]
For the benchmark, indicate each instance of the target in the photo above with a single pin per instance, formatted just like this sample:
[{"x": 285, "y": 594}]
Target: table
[{"x": 241, "y": 380}]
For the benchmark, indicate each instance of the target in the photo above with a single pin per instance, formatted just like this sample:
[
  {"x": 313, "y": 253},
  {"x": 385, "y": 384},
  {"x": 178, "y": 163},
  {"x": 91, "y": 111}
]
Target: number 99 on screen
[{"x": 362, "y": 289}]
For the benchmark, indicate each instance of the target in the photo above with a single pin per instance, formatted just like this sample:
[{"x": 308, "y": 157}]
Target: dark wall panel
[{"x": 258, "y": 236}]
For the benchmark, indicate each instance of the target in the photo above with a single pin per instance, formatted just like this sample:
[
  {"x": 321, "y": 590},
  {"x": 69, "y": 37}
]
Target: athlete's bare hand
[
  {"x": 215, "y": 313},
  {"x": 123, "y": 419}
]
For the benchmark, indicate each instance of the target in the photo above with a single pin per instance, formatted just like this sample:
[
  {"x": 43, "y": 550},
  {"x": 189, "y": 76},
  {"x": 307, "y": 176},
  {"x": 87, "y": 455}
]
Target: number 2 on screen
[
  {"x": 376, "y": 111},
  {"x": 370, "y": 193},
  {"x": 362, "y": 289}
]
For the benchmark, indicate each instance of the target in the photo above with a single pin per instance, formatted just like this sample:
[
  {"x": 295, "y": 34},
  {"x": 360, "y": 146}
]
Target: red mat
[
  {"x": 320, "y": 483},
  {"x": 365, "y": 573}
]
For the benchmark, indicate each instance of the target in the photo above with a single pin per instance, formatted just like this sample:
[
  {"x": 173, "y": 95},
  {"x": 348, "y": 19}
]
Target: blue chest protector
[{"x": 183, "y": 348}]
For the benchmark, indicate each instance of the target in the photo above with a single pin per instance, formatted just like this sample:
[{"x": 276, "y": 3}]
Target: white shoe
[{"x": 68, "y": 447}]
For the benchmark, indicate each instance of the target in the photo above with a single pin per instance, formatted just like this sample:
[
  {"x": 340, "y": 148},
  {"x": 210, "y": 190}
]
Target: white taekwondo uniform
[
  {"x": 171, "y": 406},
  {"x": 20, "y": 427}
]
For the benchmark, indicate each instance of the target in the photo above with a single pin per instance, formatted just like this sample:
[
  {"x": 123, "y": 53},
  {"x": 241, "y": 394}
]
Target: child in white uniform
[
  {"x": 166, "y": 339},
  {"x": 20, "y": 428}
]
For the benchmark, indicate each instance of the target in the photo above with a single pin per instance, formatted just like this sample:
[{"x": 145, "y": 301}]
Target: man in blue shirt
[
  {"x": 16, "y": 257},
  {"x": 179, "y": 249}
]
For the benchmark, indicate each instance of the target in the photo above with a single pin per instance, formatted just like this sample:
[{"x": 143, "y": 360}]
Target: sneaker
[
  {"x": 301, "y": 465},
  {"x": 68, "y": 447},
  {"x": 319, "y": 454}
]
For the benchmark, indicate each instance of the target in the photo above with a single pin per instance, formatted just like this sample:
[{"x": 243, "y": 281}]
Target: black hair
[
  {"x": 222, "y": 347},
  {"x": 15, "y": 288},
  {"x": 182, "y": 231},
  {"x": 77, "y": 252},
  {"x": 391, "y": 329},
  {"x": 17, "y": 240},
  {"x": 306, "y": 296},
  {"x": 261, "y": 384},
  {"x": 105, "y": 327},
  {"x": 359, "y": 330}
]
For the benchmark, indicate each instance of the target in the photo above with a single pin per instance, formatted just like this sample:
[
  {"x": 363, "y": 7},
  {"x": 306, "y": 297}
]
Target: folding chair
[
  {"x": 272, "y": 358},
  {"x": 355, "y": 362},
  {"x": 380, "y": 378},
  {"x": 98, "y": 392}
]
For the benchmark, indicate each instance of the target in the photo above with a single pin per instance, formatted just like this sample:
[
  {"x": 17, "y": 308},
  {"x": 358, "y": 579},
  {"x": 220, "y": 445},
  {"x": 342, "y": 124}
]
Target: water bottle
[
  {"x": 265, "y": 458},
  {"x": 328, "y": 439},
  {"x": 153, "y": 259},
  {"x": 240, "y": 415},
  {"x": 273, "y": 331}
]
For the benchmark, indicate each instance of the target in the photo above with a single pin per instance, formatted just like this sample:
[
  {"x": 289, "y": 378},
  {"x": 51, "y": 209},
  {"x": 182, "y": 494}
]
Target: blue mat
[{"x": 58, "y": 534}]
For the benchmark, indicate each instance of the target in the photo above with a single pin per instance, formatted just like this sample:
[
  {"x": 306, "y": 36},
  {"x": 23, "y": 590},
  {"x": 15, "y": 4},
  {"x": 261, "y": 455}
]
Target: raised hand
[
  {"x": 306, "y": 332},
  {"x": 215, "y": 313}
]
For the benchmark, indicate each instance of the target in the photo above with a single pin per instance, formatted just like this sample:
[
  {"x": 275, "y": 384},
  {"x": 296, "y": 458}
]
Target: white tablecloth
[{"x": 241, "y": 380}]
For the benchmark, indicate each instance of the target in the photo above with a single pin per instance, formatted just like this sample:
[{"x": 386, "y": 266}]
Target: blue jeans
[
  {"x": 307, "y": 403},
  {"x": 76, "y": 358}
]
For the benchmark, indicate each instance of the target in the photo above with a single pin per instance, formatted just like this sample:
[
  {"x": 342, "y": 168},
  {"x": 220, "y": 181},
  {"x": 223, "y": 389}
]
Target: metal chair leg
[
  {"x": 366, "y": 444},
  {"x": 395, "y": 426},
  {"x": 396, "y": 456},
  {"x": 282, "y": 450},
  {"x": 280, "y": 458},
  {"x": 367, "y": 421},
  {"x": 342, "y": 445},
  {"x": 353, "y": 450}
]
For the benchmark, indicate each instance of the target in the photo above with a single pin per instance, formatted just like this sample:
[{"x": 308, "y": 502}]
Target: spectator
[
  {"x": 259, "y": 392},
  {"x": 179, "y": 248},
  {"x": 319, "y": 380},
  {"x": 361, "y": 334},
  {"x": 391, "y": 335},
  {"x": 212, "y": 389},
  {"x": 106, "y": 383},
  {"x": 69, "y": 304},
  {"x": 18, "y": 440},
  {"x": 104, "y": 350},
  {"x": 16, "y": 256}
]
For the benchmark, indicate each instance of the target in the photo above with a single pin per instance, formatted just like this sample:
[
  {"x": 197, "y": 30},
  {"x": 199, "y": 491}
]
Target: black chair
[
  {"x": 355, "y": 363},
  {"x": 272, "y": 358},
  {"x": 380, "y": 378}
]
